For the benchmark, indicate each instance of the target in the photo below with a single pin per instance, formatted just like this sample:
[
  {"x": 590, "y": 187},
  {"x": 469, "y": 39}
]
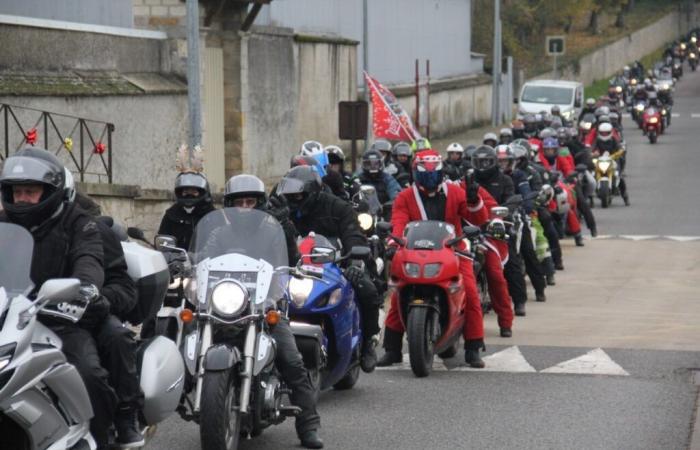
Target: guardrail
[{"x": 84, "y": 145}]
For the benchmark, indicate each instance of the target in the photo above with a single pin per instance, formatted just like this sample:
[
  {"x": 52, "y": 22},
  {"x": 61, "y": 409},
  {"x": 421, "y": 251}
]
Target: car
[{"x": 540, "y": 95}]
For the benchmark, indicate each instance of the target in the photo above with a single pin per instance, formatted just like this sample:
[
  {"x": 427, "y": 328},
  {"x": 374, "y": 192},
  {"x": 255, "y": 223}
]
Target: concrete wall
[
  {"x": 116, "y": 13},
  {"x": 290, "y": 89},
  {"x": 159, "y": 14},
  {"x": 400, "y": 31},
  {"x": 607, "y": 60},
  {"x": 148, "y": 131}
]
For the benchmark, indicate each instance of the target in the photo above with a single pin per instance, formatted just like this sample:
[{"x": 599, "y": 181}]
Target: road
[{"x": 605, "y": 363}]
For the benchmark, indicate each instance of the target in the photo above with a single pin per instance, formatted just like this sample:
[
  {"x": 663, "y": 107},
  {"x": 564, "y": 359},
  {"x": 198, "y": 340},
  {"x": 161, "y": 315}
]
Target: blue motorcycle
[{"x": 324, "y": 315}]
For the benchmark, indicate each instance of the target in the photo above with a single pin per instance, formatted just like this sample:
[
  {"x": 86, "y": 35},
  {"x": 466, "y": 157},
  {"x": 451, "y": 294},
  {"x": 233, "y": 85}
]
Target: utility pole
[
  {"x": 365, "y": 60},
  {"x": 193, "y": 86},
  {"x": 496, "y": 83}
]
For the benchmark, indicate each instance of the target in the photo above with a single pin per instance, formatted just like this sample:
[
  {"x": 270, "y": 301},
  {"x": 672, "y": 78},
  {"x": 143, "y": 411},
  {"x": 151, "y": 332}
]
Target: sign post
[
  {"x": 555, "y": 46},
  {"x": 352, "y": 125}
]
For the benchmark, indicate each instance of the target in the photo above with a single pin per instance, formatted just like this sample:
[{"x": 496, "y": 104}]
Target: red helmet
[{"x": 427, "y": 170}]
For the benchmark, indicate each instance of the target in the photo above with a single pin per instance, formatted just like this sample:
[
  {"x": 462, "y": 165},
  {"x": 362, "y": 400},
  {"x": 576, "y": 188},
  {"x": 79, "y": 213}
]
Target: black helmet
[
  {"x": 244, "y": 186},
  {"x": 484, "y": 161},
  {"x": 300, "y": 186},
  {"x": 381, "y": 145},
  {"x": 192, "y": 180},
  {"x": 33, "y": 166},
  {"x": 335, "y": 155},
  {"x": 372, "y": 162},
  {"x": 402, "y": 149}
]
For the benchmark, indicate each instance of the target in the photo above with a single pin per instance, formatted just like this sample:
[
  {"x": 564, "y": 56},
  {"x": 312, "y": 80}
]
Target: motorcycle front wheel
[
  {"x": 220, "y": 418},
  {"x": 652, "y": 138},
  {"x": 421, "y": 340},
  {"x": 604, "y": 195},
  {"x": 349, "y": 380}
]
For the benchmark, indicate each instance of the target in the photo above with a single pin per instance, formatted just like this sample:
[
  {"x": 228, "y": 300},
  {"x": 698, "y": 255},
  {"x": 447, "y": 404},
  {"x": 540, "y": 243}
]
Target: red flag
[
  {"x": 390, "y": 121},
  {"x": 31, "y": 136}
]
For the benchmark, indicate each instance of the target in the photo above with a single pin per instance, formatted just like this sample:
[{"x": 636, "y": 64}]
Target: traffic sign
[{"x": 555, "y": 45}]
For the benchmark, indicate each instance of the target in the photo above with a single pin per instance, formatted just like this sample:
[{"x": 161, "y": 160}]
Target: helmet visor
[
  {"x": 22, "y": 169},
  {"x": 373, "y": 165},
  {"x": 290, "y": 186},
  {"x": 191, "y": 180},
  {"x": 483, "y": 163}
]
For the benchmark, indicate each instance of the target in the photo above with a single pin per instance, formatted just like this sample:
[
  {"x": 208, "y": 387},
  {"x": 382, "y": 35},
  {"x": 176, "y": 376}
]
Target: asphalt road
[{"x": 605, "y": 363}]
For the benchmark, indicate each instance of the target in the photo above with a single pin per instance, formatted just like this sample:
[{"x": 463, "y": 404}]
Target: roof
[{"x": 562, "y": 83}]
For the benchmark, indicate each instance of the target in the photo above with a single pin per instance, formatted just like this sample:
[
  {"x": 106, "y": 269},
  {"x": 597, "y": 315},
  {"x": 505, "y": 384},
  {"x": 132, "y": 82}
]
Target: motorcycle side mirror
[
  {"x": 384, "y": 227},
  {"x": 322, "y": 255},
  {"x": 59, "y": 290},
  {"x": 500, "y": 211},
  {"x": 359, "y": 252},
  {"x": 164, "y": 241},
  {"x": 515, "y": 100},
  {"x": 136, "y": 233},
  {"x": 513, "y": 200},
  {"x": 471, "y": 232},
  {"x": 581, "y": 168}
]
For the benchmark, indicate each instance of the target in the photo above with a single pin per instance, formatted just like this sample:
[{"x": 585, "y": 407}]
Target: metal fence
[{"x": 84, "y": 145}]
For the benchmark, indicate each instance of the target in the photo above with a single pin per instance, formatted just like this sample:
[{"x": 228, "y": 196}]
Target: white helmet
[
  {"x": 455, "y": 147},
  {"x": 605, "y": 131},
  {"x": 311, "y": 148}
]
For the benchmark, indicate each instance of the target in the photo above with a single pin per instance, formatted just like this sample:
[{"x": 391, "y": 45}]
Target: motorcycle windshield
[
  {"x": 428, "y": 234},
  {"x": 255, "y": 242},
  {"x": 368, "y": 194},
  {"x": 16, "y": 247}
]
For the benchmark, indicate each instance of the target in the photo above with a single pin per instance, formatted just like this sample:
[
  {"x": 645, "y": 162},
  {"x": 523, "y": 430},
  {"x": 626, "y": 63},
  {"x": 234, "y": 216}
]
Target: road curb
[{"x": 695, "y": 432}]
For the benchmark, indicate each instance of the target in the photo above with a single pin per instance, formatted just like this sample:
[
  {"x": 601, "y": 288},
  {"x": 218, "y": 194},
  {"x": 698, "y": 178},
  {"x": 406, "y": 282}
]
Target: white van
[{"x": 540, "y": 95}]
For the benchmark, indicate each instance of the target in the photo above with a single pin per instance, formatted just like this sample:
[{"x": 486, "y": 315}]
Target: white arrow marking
[
  {"x": 595, "y": 362},
  {"x": 508, "y": 360},
  {"x": 683, "y": 238},
  {"x": 603, "y": 236},
  {"x": 639, "y": 237}
]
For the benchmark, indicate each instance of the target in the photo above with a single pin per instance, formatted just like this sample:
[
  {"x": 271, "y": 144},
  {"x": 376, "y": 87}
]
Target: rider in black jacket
[
  {"x": 67, "y": 243},
  {"x": 193, "y": 202},
  {"x": 314, "y": 210}
]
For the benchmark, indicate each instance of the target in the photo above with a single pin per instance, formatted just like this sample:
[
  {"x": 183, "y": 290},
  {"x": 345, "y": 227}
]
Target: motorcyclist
[
  {"x": 454, "y": 164},
  {"x": 313, "y": 210},
  {"x": 193, "y": 201},
  {"x": 384, "y": 147},
  {"x": 428, "y": 198},
  {"x": 530, "y": 123},
  {"x": 67, "y": 244},
  {"x": 518, "y": 128},
  {"x": 550, "y": 159},
  {"x": 490, "y": 139},
  {"x": 589, "y": 108},
  {"x": 419, "y": 144},
  {"x": 248, "y": 191},
  {"x": 505, "y": 136},
  {"x": 336, "y": 178},
  {"x": 606, "y": 142},
  {"x": 372, "y": 172},
  {"x": 403, "y": 154}
]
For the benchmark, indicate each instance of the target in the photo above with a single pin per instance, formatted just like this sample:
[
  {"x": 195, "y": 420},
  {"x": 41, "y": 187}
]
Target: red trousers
[
  {"x": 473, "y": 317},
  {"x": 498, "y": 289}
]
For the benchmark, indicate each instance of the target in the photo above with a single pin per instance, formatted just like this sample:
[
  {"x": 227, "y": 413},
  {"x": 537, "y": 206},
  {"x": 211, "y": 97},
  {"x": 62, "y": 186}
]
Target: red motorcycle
[
  {"x": 426, "y": 278},
  {"x": 652, "y": 124}
]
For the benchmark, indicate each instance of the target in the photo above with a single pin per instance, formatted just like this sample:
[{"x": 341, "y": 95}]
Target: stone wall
[
  {"x": 611, "y": 58},
  {"x": 159, "y": 14}
]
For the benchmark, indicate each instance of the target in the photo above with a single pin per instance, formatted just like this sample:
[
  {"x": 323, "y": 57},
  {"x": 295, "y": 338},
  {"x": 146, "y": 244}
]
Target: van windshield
[{"x": 548, "y": 95}]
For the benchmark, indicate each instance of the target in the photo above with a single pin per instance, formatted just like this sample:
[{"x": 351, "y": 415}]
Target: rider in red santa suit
[{"x": 429, "y": 198}]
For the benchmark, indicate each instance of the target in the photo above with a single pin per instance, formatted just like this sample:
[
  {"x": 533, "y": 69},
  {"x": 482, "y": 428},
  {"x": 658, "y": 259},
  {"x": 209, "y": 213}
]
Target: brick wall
[{"x": 159, "y": 14}]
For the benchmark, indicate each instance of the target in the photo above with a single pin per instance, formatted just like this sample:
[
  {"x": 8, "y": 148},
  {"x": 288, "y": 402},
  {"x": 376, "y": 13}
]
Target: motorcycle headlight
[
  {"x": 654, "y": 120},
  {"x": 586, "y": 126},
  {"x": 229, "y": 298},
  {"x": 431, "y": 270},
  {"x": 663, "y": 112},
  {"x": 299, "y": 290},
  {"x": 603, "y": 166},
  {"x": 618, "y": 89},
  {"x": 412, "y": 270},
  {"x": 665, "y": 87},
  {"x": 633, "y": 82},
  {"x": 682, "y": 46},
  {"x": 335, "y": 297},
  {"x": 366, "y": 221},
  {"x": 640, "y": 107},
  {"x": 692, "y": 55}
]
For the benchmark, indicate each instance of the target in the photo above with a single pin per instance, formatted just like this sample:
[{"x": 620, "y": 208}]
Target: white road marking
[
  {"x": 695, "y": 115},
  {"x": 683, "y": 238},
  {"x": 595, "y": 362},
  {"x": 639, "y": 237},
  {"x": 508, "y": 360},
  {"x": 675, "y": 114},
  {"x": 438, "y": 365}
]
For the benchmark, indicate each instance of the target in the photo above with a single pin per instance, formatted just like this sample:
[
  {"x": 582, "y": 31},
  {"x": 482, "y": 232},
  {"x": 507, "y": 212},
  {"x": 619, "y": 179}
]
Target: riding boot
[
  {"x": 393, "y": 341},
  {"x": 471, "y": 353},
  {"x": 126, "y": 423}
]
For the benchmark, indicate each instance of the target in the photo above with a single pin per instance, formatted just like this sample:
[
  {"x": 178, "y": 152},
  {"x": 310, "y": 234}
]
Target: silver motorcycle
[
  {"x": 240, "y": 272},
  {"x": 43, "y": 401}
]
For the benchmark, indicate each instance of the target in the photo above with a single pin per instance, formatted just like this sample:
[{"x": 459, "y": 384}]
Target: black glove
[
  {"x": 354, "y": 274},
  {"x": 472, "y": 190},
  {"x": 390, "y": 251},
  {"x": 278, "y": 208},
  {"x": 97, "y": 306}
]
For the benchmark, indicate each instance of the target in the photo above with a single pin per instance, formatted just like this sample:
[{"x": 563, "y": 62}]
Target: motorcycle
[
  {"x": 240, "y": 269},
  {"x": 369, "y": 213},
  {"x": 677, "y": 68},
  {"x": 425, "y": 278},
  {"x": 325, "y": 318},
  {"x": 586, "y": 125},
  {"x": 34, "y": 371},
  {"x": 652, "y": 124},
  {"x": 607, "y": 178},
  {"x": 693, "y": 60},
  {"x": 638, "y": 112}
]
